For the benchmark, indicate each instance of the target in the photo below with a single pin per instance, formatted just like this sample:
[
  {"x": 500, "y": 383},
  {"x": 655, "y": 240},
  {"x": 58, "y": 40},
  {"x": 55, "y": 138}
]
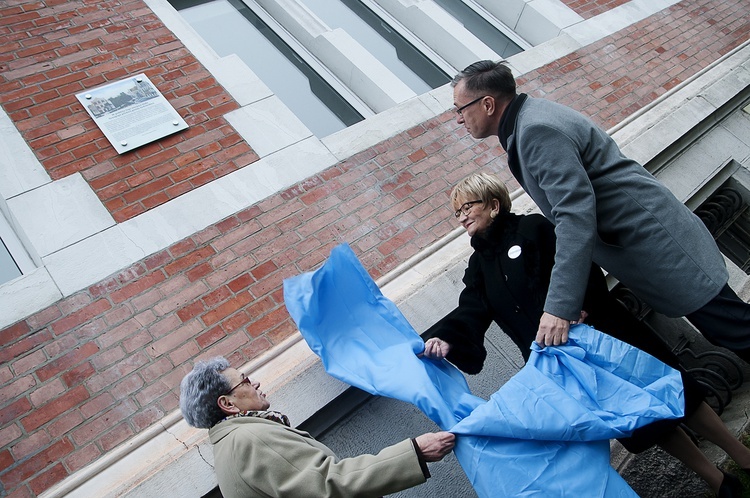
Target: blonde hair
[{"x": 484, "y": 187}]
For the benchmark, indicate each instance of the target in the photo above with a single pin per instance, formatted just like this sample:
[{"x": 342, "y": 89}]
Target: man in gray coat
[{"x": 606, "y": 208}]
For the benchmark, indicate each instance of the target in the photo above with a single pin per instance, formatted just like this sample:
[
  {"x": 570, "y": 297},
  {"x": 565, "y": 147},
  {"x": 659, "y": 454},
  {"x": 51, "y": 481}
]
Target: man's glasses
[
  {"x": 465, "y": 208},
  {"x": 459, "y": 110},
  {"x": 245, "y": 380}
]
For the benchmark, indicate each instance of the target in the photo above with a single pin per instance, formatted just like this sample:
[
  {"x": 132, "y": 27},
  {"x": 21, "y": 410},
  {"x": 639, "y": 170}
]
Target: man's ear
[
  {"x": 226, "y": 405},
  {"x": 489, "y": 103}
]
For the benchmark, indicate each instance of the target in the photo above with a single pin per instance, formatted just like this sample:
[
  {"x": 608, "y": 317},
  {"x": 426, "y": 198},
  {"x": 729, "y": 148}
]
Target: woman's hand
[
  {"x": 436, "y": 349},
  {"x": 581, "y": 319},
  {"x": 435, "y": 445}
]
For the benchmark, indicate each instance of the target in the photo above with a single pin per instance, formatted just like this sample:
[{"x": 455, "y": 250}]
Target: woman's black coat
[{"x": 507, "y": 281}]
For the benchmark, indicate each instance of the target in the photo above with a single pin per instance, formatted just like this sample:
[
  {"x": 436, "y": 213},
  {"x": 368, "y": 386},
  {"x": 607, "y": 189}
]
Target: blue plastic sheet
[{"x": 544, "y": 433}]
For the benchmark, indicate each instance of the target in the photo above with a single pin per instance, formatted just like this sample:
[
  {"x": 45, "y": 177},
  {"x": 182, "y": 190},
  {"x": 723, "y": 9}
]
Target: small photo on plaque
[{"x": 131, "y": 112}]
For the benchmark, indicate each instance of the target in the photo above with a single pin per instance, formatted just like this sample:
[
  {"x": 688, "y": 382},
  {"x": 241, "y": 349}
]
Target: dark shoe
[{"x": 731, "y": 487}]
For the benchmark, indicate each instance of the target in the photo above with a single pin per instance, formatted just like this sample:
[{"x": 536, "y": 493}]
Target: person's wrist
[{"x": 421, "y": 459}]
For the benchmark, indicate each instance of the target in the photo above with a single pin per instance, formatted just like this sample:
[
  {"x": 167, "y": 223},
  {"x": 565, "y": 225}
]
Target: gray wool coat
[{"x": 608, "y": 209}]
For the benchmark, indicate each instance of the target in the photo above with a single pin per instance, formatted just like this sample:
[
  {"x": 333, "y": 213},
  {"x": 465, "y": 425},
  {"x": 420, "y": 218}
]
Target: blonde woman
[{"x": 507, "y": 281}]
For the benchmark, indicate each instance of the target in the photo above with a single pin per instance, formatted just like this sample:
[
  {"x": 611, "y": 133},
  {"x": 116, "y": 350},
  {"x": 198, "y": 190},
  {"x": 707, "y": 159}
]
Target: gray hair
[
  {"x": 199, "y": 391},
  {"x": 483, "y": 187},
  {"x": 489, "y": 78}
]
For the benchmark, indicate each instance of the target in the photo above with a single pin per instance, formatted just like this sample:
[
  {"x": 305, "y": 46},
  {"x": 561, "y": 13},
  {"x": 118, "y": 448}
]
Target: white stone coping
[
  {"x": 61, "y": 213},
  {"x": 268, "y": 125},
  {"x": 25, "y": 295}
]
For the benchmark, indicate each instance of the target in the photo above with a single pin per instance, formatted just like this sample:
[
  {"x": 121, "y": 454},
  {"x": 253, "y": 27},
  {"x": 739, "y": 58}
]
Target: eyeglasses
[
  {"x": 245, "y": 380},
  {"x": 459, "y": 110},
  {"x": 465, "y": 208}
]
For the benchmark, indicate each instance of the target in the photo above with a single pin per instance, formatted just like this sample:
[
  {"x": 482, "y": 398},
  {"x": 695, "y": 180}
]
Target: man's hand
[
  {"x": 435, "y": 445},
  {"x": 553, "y": 330},
  {"x": 436, "y": 349}
]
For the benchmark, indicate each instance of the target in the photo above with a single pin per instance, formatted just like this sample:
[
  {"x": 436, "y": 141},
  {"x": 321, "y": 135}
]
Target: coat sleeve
[
  {"x": 553, "y": 159},
  {"x": 282, "y": 464},
  {"x": 464, "y": 327}
]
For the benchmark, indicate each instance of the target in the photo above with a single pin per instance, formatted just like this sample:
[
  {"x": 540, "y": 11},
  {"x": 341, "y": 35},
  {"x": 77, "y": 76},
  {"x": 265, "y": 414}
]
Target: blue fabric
[{"x": 543, "y": 433}]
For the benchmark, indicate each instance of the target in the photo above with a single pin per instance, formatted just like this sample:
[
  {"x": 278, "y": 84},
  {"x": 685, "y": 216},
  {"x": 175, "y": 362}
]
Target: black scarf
[
  {"x": 506, "y": 129},
  {"x": 508, "y": 120}
]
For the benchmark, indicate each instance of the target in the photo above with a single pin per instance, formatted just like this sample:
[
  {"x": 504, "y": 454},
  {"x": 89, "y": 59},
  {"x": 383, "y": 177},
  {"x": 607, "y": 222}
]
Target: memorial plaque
[{"x": 131, "y": 112}]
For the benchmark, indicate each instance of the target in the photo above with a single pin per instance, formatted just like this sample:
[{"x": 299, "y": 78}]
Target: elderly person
[
  {"x": 258, "y": 453},
  {"x": 507, "y": 281}
]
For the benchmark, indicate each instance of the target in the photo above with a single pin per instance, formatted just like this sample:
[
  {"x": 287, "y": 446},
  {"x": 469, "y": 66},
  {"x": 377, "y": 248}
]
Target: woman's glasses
[{"x": 465, "y": 208}]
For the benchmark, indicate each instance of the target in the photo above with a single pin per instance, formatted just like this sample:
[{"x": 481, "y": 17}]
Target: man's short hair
[{"x": 488, "y": 77}]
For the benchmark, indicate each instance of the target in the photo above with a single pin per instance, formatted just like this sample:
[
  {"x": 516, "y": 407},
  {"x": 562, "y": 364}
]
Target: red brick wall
[
  {"x": 50, "y": 51},
  {"x": 83, "y": 375},
  {"x": 611, "y": 79},
  {"x": 590, "y": 8}
]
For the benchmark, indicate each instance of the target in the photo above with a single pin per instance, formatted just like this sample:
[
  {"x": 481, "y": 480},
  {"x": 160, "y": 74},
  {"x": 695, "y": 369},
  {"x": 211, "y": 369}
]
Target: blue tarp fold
[{"x": 543, "y": 433}]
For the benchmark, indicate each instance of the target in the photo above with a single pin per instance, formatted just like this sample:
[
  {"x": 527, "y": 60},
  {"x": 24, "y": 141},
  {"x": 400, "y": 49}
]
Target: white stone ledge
[
  {"x": 241, "y": 83},
  {"x": 60, "y": 213},
  {"x": 22, "y": 296},
  {"x": 268, "y": 125}
]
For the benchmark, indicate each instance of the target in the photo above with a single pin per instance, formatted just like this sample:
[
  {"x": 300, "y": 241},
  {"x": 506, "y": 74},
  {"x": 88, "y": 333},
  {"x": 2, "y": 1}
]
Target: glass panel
[
  {"x": 8, "y": 267},
  {"x": 479, "y": 27},
  {"x": 230, "y": 27},
  {"x": 385, "y": 44}
]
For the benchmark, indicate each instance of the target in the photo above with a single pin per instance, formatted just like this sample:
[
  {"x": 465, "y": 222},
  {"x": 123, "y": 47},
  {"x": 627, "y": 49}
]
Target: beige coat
[{"x": 255, "y": 457}]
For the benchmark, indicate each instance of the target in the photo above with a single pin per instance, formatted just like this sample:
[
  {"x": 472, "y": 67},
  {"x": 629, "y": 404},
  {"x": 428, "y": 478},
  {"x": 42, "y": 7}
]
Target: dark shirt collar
[{"x": 508, "y": 119}]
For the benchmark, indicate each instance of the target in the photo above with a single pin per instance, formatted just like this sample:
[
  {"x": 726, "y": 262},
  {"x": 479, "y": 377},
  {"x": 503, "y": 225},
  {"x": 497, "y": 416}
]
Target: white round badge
[{"x": 514, "y": 252}]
